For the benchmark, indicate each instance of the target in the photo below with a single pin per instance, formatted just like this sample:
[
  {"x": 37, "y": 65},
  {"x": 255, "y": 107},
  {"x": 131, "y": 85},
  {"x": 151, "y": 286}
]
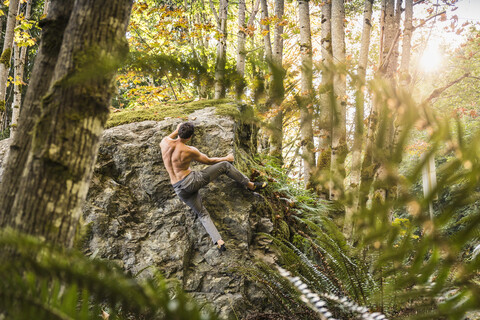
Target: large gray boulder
[{"x": 134, "y": 217}]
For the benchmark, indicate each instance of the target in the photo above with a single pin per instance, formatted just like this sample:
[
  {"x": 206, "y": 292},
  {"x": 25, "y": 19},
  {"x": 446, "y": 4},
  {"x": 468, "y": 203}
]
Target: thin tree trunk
[
  {"x": 267, "y": 42},
  {"x": 395, "y": 51},
  {"x": 389, "y": 61},
  {"x": 339, "y": 130},
  {"x": 407, "y": 42},
  {"x": 20, "y": 56},
  {"x": 221, "y": 17},
  {"x": 325, "y": 119},
  {"x": 66, "y": 136},
  {"x": 355, "y": 174},
  {"x": 46, "y": 7},
  {"x": 241, "y": 53},
  {"x": 6, "y": 58},
  {"x": 306, "y": 91},
  {"x": 241, "y": 39},
  {"x": 277, "y": 90}
]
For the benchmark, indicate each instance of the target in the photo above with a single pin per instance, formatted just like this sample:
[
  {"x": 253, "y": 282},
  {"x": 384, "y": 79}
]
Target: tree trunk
[
  {"x": 221, "y": 18},
  {"x": 406, "y": 43},
  {"x": 277, "y": 90},
  {"x": 389, "y": 59},
  {"x": 20, "y": 56},
  {"x": 53, "y": 27},
  {"x": 381, "y": 141},
  {"x": 6, "y": 58},
  {"x": 267, "y": 42},
  {"x": 241, "y": 53},
  {"x": 325, "y": 122},
  {"x": 46, "y": 7},
  {"x": 306, "y": 91},
  {"x": 355, "y": 174},
  {"x": 66, "y": 136},
  {"x": 241, "y": 39},
  {"x": 339, "y": 129}
]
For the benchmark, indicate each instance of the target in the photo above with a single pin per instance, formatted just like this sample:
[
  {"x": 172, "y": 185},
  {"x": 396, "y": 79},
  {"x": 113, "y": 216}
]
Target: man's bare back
[{"x": 177, "y": 156}]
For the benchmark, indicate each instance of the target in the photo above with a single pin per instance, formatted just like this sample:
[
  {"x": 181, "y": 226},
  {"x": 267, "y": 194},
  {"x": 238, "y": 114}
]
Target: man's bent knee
[
  {"x": 227, "y": 165},
  {"x": 224, "y": 166}
]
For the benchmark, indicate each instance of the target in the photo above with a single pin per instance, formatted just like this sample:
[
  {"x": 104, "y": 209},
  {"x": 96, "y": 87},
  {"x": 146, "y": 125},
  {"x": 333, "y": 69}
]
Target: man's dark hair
[{"x": 186, "y": 130}]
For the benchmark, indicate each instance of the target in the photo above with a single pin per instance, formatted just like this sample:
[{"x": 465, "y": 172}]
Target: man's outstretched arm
[{"x": 202, "y": 158}]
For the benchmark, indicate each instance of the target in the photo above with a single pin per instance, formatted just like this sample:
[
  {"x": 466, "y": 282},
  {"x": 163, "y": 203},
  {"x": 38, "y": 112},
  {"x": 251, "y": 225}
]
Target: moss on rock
[{"x": 165, "y": 110}]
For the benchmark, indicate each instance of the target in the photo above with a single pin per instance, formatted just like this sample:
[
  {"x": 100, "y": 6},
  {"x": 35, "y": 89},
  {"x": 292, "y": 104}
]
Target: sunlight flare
[{"x": 432, "y": 58}]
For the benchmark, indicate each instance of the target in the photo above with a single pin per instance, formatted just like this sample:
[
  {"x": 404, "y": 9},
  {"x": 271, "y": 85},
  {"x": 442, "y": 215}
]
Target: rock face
[{"x": 134, "y": 217}]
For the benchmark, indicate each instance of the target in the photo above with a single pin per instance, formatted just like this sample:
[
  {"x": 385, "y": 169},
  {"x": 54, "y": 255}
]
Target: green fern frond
[{"x": 53, "y": 283}]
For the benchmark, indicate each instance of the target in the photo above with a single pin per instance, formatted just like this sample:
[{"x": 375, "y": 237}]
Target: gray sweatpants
[{"x": 187, "y": 191}]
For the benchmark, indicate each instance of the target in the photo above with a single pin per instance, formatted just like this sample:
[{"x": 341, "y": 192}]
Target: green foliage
[
  {"x": 5, "y": 134},
  {"x": 400, "y": 261},
  {"x": 284, "y": 296},
  {"x": 40, "y": 281}
]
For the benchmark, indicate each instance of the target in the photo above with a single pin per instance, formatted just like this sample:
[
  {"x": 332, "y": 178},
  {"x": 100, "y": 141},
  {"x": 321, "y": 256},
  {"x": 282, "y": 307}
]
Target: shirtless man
[{"x": 177, "y": 157}]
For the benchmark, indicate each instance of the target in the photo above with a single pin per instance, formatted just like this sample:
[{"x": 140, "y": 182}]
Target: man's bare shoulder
[
  {"x": 167, "y": 141},
  {"x": 193, "y": 149}
]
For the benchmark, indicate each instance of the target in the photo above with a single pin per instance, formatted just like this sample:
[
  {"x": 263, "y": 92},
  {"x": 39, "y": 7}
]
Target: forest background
[{"x": 353, "y": 100}]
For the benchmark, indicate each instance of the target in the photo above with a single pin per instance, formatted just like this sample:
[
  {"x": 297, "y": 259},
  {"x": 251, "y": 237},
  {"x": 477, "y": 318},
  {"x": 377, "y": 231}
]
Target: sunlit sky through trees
[{"x": 441, "y": 39}]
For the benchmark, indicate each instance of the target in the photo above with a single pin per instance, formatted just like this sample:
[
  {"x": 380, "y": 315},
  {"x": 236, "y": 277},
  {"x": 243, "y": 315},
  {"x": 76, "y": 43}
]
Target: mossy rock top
[{"x": 177, "y": 109}]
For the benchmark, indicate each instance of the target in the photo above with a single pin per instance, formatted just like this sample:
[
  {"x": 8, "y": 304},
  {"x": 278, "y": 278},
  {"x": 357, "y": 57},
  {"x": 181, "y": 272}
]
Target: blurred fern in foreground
[
  {"x": 39, "y": 281},
  {"x": 410, "y": 255}
]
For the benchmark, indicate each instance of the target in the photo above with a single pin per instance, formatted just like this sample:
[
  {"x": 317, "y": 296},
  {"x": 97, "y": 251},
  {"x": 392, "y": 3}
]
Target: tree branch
[
  {"x": 428, "y": 19},
  {"x": 439, "y": 91},
  {"x": 474, "y": 77},
  {"x": 418, "y": 2}
]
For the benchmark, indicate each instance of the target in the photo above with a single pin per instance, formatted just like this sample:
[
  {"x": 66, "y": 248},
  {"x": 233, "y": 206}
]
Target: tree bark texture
[
  {"x": 20, "y": 55},
  {"x": 306, "y": 91},
  {"x": 339, "y": 129},
  {"x": 407, "y": 42},
  {"x": 389, "y": 59},
  {"x": 355, "y": 174},
  {"x": 397, "y": 31},
  {"x": 380, "y": 142},
  {"x": 267, "y": 42},
  {"x": 242, "y": 39},
  {"x": 66, "y": 135},
  {"x": 6, "y": 58},
  {"x": 325, "y": 122},
  {"x": 53, "y": 27},
  {"x": 220, "y": 89},
  {"x": 277, "y": 90}
]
